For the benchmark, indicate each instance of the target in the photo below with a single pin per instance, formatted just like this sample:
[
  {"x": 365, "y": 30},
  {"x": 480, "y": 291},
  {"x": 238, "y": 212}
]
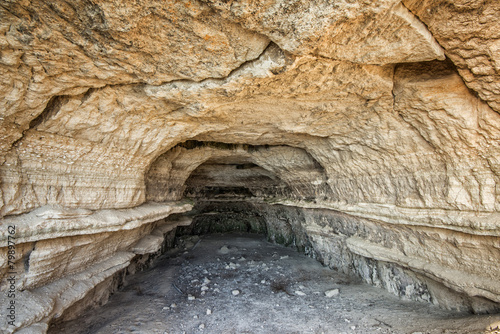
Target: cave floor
[{"x": 280, "y": 291}]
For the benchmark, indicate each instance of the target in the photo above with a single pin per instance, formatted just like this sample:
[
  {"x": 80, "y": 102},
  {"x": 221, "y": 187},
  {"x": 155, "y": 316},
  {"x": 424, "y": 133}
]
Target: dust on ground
[{"x": 240, "y": 283}]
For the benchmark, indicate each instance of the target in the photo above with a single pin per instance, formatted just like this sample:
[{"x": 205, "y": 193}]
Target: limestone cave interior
[{"x": 362, "y": 135}]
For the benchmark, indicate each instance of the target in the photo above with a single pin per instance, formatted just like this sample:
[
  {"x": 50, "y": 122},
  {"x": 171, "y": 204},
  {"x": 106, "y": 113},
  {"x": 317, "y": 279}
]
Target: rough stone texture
[
  {"x": 54, "y": 274},
  {"x": 225, "y": 216},
  {"x": 443, "y": 258},
  {"x": 261, "y": 170},
  {"x": 346, "y": 106},
  {"x": 469, "y": 31},
  {"x": 355, "y": 31},
  {"x": 379, "y": 253},
  {"x": 64, "y": 48}
]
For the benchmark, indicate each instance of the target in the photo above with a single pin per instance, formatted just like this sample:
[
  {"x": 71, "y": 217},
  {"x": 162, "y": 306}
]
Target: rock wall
[
  {"x": 384, "y": 111},
  {"x": 61, "y": 256},
  {"x": 469, "y": 32},
  {"x": 385, "y": 255}
]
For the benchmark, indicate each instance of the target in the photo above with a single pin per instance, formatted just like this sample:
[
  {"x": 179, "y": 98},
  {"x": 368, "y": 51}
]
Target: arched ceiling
[{"x": 377, "y": 122}]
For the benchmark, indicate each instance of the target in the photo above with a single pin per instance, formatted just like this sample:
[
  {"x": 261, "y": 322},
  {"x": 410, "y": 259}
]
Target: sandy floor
[{"x": 239, "y": 283}]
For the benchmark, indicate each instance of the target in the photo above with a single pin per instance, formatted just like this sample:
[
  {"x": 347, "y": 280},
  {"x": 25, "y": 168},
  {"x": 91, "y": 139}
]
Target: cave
[{"x": 364, "y": 136}]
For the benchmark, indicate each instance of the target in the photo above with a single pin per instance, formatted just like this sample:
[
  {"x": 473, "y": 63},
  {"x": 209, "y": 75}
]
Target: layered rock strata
[
  {"x": 63, "y": 255},
  {"x": 385, "y": 255},
  {"x": 384, "y": 112}
]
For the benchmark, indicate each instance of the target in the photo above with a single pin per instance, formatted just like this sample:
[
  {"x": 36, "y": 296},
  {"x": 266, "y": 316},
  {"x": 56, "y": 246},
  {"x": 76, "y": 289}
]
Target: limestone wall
[{"x": 386, "y": 111}]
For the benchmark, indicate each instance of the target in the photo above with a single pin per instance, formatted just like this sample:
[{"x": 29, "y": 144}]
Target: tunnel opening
[
  {"x": 229, "y": 179},
  {"x": 201, "y": 170},
  {"x": 228, "y": 251},
  {"x": 228, "y": 192},
  {"x": 220, "y": 277},
  {"x": 273, "y": 190},
  {"x": 241, "y": 263}
]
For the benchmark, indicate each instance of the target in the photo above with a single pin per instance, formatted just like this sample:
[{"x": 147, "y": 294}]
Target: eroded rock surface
[
  {"x": 348, "y": 107},
  {"x": 469, "y": 31},
  {"x": 264, "y": 288}
]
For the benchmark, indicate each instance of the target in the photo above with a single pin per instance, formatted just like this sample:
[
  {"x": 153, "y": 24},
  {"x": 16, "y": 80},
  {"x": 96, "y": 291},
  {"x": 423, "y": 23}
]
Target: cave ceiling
[{"x": 381, "y": 114}]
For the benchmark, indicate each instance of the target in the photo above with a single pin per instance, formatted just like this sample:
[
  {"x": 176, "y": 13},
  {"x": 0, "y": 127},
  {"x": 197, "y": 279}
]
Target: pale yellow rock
[
  {"x": 459, "y": 280},
  {"x": 148, "y": 244},
  {"x": 167, "y": 176},
  {"x": 381, "y": 32},
  {"x": 343, "y": 107},
  {"x": 469, "y": 31},
  {"x": 35, "y": 226},
  {"x": 50, "y": 300},
  {"x": 67, "y": 49},
  {"x": 461, "y": 129}
]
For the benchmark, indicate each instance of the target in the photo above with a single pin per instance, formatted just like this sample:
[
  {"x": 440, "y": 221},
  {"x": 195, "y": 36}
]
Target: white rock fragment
[
  {"x": 235, "y": 292},
  {"x": 224, "y": 250},
  {"x": 204, "y": 288},
  {"x": 201, "y": 326},
  {"x": 284, "y": 257},
  {"x": 332, "y": 293},
  {"x": 209, "y": 311},
  {"x": 191, "y": 297},
  {"x": 173, "y": 305},
  {"x": 232, "y": 266},
  {"x": 299, "y": 293},
  {"x": 353, "y": 327}
]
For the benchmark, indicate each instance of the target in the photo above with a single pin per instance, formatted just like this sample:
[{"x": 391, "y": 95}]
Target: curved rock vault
[{"x": 367, "y": 133}]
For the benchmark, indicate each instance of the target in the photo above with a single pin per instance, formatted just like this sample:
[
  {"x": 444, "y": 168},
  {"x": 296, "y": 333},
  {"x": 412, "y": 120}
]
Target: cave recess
[{"x": 366, "y": 134}]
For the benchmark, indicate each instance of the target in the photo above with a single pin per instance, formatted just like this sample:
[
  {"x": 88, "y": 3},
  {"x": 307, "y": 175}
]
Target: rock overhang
[{"x": 346, "y": 106}]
